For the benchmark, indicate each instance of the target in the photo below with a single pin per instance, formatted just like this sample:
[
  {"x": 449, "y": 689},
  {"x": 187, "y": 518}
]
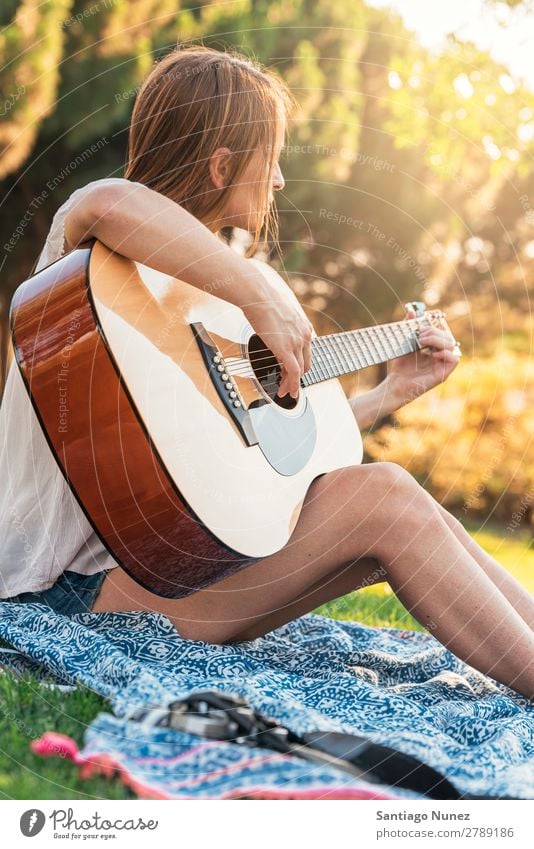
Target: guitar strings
[
  {"x": 245, "y": 368},
  {"x": 250, "y": 371},
  {"x": 242, "y": 367},
  {"x": 235, "y": 363}
]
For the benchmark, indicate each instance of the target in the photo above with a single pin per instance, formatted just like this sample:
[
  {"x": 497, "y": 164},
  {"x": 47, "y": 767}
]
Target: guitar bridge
[{"x": 224, "y": 384}]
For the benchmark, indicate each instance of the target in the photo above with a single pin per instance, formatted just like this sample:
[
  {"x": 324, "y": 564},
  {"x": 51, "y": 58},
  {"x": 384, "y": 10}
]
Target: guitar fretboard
[{"x": 343, "y": 353}]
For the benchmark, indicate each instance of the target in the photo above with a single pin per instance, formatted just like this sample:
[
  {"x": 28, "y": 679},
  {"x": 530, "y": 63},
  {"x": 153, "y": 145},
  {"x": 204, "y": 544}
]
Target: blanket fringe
[{"x": 54, "y": 744}]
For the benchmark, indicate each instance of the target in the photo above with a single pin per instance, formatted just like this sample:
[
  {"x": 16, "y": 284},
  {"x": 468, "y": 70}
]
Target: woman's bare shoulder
[
  {"x": 74, "y": 209},
  {"x": 99, "y": 185},
  {"x": 65, "y": 232}
]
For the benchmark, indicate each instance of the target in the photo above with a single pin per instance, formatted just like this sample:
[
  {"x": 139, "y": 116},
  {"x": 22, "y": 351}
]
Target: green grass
[
  {"x": 515, "y": 550},
  {"x": 371, "y": 606},
  {"x": 27, "y": 709}
]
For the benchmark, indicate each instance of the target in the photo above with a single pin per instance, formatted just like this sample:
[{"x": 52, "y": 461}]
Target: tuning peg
[{"x": 418, "y": 307}]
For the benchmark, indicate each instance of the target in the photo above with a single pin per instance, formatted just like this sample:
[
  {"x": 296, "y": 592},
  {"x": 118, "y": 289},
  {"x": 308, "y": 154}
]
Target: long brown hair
[{"x": 195, "y": 100}]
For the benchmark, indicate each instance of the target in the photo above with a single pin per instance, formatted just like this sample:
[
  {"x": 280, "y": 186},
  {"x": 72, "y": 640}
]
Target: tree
[{"x": 408, "y": 175}]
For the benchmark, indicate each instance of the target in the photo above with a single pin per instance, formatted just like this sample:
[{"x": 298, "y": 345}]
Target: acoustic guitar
[{"x": 160, "y": 405}]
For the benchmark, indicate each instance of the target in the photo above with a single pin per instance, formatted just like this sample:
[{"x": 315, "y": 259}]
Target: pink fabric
[{"x": 53, "y": 744}]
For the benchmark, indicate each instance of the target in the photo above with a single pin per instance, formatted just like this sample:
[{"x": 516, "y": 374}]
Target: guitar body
[{"x": 157, "y": 401}]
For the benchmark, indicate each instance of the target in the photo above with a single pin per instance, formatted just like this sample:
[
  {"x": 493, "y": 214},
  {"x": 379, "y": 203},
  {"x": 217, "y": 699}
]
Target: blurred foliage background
[{"x": 408, "y": 176}]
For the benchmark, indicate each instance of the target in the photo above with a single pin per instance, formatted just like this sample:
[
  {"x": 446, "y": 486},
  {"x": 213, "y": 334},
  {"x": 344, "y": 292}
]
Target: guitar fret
[
  {"x": 337, "y": 361},
  {"x": 407, "y": 338},
  {"x": 311, "y": 376},
  {"x": 337, "y": 354},
  {"x": 380, "y": 351},
  {"x": 328, "y": 361},
  {"x": 369, "y": 333},
  {"x": 379, "y": 345},
  {"x": 387, "y": 342},
  {"x": 400, "y": 341},
  {"x": 358, "y": 350},
  {"x": 339, "y": 365},
  {"x": 390, "y": 343},
  {"x": 352, "y": 357},
  {"x": 355, "y": 352},
  {"x": 315, "y": 360},
  {"x": 356, "y": 343},
  {"x": 320, "y": 360},
  {"x": 375, "y": 350},
  {"x": 340, "y": 353},
  {"x": 367, "y": 346},
  {"x": 346, "y": 352},
  {"x": 407, "y": 335},
  {"x": 397, "y": 344},
  {"x": 342, "y": 341},
  {"x": 344, "y": 347}
]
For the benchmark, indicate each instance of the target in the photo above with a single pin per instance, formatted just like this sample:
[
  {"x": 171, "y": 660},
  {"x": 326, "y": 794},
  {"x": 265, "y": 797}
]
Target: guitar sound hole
[{"x": 267, "y": 371}]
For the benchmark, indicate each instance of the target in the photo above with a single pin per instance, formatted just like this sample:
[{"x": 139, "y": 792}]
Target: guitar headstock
[{"x": 426, "y": 318}]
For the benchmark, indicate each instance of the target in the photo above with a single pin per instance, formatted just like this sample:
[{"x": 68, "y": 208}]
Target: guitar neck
[{"x": 337, "y": 354}]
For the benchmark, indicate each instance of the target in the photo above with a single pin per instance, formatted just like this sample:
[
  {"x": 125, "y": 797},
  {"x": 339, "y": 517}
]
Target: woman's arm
[
  {"x": 371, "y": 406},
  {"x": 408, "y": 377},
  {"x": 147, "y": 227}
]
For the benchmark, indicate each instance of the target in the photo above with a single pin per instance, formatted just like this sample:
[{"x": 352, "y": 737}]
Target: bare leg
[
  {"x": 517, "y": 595},
  {"x": 346, "y": 581},
  {"x": 373, "y": 511},
  {"x": 365, "y": 572}
]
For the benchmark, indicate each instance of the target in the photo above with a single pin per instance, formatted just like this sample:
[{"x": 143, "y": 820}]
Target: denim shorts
[{"x": 72, "y": 593}]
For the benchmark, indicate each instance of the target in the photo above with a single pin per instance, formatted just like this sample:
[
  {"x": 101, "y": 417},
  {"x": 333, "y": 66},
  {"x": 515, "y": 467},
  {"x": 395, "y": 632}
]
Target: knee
[
  {"x": 397, "y": 502},
  {"x": 393, "y": 477},
  {"x": 378, "y": 485},
  {"x": 394, "y": 487}
]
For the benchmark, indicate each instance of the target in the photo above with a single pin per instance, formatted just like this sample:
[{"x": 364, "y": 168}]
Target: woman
[{"x": 206, "y": 133}]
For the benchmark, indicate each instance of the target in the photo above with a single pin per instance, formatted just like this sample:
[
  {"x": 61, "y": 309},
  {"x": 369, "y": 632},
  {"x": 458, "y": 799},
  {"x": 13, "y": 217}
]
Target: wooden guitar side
[{"x": 116, "y": 378}]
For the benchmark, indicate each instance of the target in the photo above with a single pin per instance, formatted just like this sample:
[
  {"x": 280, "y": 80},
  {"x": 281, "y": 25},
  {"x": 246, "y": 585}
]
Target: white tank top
[{"x": 43, "y": 530}]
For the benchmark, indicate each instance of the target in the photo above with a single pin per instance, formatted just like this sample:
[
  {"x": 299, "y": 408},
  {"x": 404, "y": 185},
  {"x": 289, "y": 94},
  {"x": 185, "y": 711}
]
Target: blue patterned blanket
[{"x": 400, "y": 688}]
